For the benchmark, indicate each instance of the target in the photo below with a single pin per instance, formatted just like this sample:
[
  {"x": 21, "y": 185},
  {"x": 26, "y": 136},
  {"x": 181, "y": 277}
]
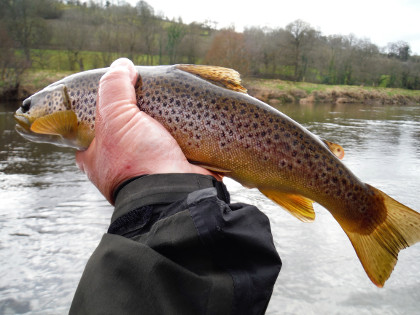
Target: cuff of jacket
[{"x": 162, "y": 189}]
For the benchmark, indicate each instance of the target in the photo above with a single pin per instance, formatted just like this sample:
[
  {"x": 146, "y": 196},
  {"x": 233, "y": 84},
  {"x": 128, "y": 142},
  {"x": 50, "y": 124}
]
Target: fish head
[
  {"x": 47, "y": 101},
  {"x": 63, "y": 113}
]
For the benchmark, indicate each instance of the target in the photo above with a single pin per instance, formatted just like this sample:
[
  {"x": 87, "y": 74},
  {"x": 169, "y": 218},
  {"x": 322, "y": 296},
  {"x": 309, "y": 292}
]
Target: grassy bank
[
  {"x": 269, "y": 90},
  {"x": 280, "y": 92}
]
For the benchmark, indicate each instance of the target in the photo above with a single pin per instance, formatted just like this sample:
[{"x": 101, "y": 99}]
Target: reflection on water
[{"x": 51, "y": 219}]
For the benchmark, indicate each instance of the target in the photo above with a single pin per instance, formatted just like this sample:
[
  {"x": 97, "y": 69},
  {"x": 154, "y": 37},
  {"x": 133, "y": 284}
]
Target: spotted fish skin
[{"x": 219, "y": 126}]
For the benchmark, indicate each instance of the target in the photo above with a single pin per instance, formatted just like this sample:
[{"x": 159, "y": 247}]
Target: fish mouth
[{"x": 22, "y": 122}]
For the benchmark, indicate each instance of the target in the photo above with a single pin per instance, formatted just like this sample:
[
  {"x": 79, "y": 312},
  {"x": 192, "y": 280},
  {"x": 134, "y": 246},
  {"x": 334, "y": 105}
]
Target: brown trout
[{"x": 220, "y": 127}]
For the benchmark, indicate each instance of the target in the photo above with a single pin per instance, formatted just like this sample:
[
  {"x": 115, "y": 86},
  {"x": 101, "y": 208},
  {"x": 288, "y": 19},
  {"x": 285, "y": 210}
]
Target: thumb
[{"x": 116, "y": 88}]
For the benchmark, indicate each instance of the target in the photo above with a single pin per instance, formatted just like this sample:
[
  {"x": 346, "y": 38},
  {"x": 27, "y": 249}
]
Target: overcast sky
[{"x": 381, "y": 21}]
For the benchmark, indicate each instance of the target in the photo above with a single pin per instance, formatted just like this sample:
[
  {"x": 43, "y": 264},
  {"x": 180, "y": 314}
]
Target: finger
[
  {"x": 117, "y": 85},
  {"x": 124, "y": 62}
]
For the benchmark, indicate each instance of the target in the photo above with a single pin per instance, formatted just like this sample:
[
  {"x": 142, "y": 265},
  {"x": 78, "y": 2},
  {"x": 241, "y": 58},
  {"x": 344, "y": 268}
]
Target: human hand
[{"x": 128, "y": 142}]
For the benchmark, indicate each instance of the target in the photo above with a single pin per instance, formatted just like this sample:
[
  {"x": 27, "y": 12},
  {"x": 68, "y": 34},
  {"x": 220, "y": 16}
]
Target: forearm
[{"x": 176, "y": 246}]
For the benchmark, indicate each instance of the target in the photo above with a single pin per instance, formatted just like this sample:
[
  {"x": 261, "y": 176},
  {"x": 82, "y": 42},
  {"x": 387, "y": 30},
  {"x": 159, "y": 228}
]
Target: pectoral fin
[
  {"x": 212, "y": 168},
  {"x": 335, "y": 148},
  {"x": 225, "y": 77},
  {"x": 62, "y": 123},
  {"x": 297, "y": 205}
]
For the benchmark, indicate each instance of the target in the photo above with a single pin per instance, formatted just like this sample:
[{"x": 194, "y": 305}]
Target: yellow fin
[
  {"x": 62, "y": 123},
  {"x": 224, "y": 77},
  {"x": 335, "y": 148},
  {"x": 212, "y": 168},
  {"x": 297, "y": 205},
  {"x": 378, "y": 250}
]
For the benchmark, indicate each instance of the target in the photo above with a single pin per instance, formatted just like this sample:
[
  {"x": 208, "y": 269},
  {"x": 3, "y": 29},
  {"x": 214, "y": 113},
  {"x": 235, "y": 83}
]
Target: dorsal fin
[
  {"x": 225, "y": 77},
  {"x": 335, "y": 148}
]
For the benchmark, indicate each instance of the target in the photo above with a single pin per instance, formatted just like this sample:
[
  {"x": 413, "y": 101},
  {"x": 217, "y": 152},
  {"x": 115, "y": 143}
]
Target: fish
[{"x": 220, "y": 127}]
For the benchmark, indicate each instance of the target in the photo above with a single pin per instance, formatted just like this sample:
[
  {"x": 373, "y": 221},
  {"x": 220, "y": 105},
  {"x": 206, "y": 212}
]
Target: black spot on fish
[{"x": 276, "y": 136}]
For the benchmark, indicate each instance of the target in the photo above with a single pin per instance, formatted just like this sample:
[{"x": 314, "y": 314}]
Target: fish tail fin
[{"x": 378, "y": 250}]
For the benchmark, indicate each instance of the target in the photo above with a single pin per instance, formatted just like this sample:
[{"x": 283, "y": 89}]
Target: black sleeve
[{"x": 176, "y": 246}]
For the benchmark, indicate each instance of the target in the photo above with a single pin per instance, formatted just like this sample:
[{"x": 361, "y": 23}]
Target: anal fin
[{"x": 297, "y": 205}]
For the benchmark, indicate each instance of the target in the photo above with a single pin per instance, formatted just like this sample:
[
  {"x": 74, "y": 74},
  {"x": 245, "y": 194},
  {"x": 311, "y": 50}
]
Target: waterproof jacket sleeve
[{"x": 177, "y": 246}]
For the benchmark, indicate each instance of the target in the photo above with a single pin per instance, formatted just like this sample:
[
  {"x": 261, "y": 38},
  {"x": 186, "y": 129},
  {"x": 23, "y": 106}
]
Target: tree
[
  {"x": 73, "y": 35},
  {"x": 25, "y": 21},
  {"x": 301, "y": 38},
  {"x": 228, "y": 50},
  {"x": 175, "y": 32},
  {"x": 400, "y": 50},
  {"x": 148, "y": 29}
]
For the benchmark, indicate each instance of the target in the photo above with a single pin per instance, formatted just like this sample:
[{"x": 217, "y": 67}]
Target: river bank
[
  {"x": 276, "y": 92},
  {"x": 271, "y": 91}
]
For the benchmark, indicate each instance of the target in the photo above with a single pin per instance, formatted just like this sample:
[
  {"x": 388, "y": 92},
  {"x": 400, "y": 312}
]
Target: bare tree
[
  {"x": 301, "y": 39},
  {"x": 175, "y": 33},
  {"x": 228, "y": 49}
]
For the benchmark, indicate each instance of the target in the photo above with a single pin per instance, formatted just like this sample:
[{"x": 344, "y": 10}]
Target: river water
[{"x": 51, "y": 219}]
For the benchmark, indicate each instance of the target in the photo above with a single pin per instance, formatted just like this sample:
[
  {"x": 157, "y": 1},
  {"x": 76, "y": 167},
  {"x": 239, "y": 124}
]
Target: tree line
[{"x": 77, "y": 35}]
